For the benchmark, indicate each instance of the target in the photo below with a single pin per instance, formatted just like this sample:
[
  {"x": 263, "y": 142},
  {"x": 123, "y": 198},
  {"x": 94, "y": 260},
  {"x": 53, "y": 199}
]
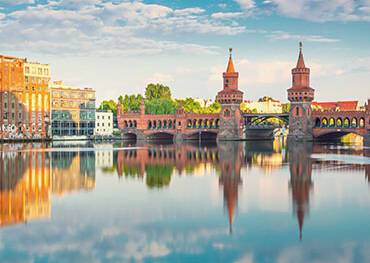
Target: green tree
[
  {"x": 158, "y": 176},
  {"x": 130, "y": 103},
  {"x": 108, "y": 105},
  {"x": 157, "y": 91},
  {"x": 160, "y": 106}
]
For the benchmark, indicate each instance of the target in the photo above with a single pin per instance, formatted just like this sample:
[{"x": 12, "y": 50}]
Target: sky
[{"x": 118, "y": 47}]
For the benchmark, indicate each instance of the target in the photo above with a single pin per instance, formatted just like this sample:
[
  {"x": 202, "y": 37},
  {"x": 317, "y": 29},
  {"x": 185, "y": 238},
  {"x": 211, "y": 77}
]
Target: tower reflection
[{"x": 301, "y": 185}]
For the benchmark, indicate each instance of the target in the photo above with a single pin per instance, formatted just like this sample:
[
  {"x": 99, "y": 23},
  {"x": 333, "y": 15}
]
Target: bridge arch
[{"x": 129, "y": 136}]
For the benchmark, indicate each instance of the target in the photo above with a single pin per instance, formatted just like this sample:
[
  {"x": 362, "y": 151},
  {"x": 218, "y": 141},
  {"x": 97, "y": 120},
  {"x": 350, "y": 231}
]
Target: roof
[
  {"x": 230, "y": 64},
  {"x": 333, "y": 105}
]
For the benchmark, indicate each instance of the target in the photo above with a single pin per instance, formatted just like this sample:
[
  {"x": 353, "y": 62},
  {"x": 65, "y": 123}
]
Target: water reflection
[{"x": 36, "y": 178}]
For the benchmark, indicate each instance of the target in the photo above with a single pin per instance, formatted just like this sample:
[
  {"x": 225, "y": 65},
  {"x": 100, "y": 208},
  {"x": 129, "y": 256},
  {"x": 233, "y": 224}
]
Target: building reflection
[
  {"x": 25, "y": 184},
  {"x": 300, "y": 185},
  {"x": 28, "y": 177},
  {"x": 231, "y": 156}
]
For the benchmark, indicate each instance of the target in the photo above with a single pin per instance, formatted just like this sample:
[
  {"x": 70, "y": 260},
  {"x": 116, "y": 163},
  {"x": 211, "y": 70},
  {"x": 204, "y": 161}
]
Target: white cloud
[
  {"x": 281, "y": 35},
  {"x": 107, "y": 28},
  {"x": 226, "y": 15},
  {"x": 323, "y": 10},
  {"x": 246, "y": 4}
]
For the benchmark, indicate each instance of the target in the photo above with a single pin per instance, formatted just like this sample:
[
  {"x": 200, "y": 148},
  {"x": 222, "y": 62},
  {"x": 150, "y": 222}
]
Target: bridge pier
[{"x": 178, "y": 138}]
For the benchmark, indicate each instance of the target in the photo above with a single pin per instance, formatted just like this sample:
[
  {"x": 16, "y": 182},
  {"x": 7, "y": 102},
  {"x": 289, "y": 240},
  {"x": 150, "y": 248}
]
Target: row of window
[{"x": 39, "y": 71}]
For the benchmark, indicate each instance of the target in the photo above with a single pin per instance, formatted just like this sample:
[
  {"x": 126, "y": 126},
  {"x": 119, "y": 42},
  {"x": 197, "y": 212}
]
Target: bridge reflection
[
  {"x": 156, "y": 165},
  {"x": 31, "y": 174}
]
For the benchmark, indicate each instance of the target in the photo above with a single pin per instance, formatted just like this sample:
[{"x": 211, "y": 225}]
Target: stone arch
[
  {"x": 135, "y": 123},
  {"x": 125, "y": 124},
  {"x": 200, "y": 122},
  {"x": 346, "y": 123},
  {"x": 149, "y": 124},
  {"x": 361, "y": 122},
  {"x": 194, "y": 123},
  {"x": 354, "y": 122},
  {"x": 165, "y": 124},
  {"x": 324, "y": 122},
  {"x": 211, "y": 123},
  {"x": 154, "y": 124},
  {"x": 170, "y": 124},
  {"x": 317, "y": 122},
  {"x": 189, "y": 124},
  {"x": 331, "y": 122},
  {"x": 339, "y": 123},
  {"x": 159, "y": 124},
  {"x": 217, "y": 123}
]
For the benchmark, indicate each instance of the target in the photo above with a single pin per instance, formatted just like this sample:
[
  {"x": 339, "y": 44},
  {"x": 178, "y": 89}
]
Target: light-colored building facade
[
  {"x": 103, "y": 123},
  {"x": 73, "y": 110},
  {"x": 24, "y": 99},
  {"x": 268, "y": 106}
]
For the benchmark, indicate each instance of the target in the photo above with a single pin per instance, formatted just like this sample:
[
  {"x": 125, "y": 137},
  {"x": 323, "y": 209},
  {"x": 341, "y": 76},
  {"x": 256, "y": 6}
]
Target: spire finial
[
  {"x": 230, "y": 51},
  {"x": 300, "y": 46}
]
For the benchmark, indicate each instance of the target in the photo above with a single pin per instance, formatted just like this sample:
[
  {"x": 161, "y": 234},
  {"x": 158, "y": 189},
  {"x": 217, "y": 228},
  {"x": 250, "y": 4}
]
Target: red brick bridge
[{"x": 305, "y": 124}]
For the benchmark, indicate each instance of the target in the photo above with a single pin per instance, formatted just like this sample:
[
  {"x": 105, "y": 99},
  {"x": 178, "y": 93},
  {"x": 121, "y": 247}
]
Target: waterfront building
[
  {"x": 24, "y": 99},
  {"x": 73, "y": 111},
  {"x": 103, "y": 123},
  {"x": 268, "y": 106}
]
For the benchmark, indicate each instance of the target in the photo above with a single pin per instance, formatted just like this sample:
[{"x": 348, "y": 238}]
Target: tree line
[{"x": 158, "y": 100}]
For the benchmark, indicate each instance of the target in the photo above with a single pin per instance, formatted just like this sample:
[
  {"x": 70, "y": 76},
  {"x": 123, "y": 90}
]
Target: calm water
[{"x": 235, "y": 202}]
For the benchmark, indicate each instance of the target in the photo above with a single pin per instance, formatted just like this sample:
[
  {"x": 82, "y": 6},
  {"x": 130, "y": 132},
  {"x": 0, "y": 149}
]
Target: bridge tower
[
  {"x": 300, "y": 96},
  {"x": 230, "y": 98}
]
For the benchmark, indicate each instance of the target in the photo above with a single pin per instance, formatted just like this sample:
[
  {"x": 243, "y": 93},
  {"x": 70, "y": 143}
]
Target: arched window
[
  {"x": 227, "y": 113},
  {"x": 149, "y": 125},
  {"x": 296, "y": 111},
  {"x": 339, "y": 123},
  {"x": 317, "y": 122},
  {"x": 346, "y": 123},
  {"x": 354, "y": 122},
  {"x": 362, "y": 123},
  {"x": 324, "y": 122},
  {"x": 331, "y": 122}
]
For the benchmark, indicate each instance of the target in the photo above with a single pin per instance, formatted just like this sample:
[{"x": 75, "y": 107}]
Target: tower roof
[
  {"x": 230, "y": 64},
  {"x": 300, "y": 62}
]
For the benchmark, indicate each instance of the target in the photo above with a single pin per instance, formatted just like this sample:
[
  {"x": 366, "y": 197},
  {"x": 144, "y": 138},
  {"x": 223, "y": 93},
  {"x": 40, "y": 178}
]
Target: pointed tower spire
[
  {"x": 230, "y": 64},
  {"x": 300, "y": 63}
]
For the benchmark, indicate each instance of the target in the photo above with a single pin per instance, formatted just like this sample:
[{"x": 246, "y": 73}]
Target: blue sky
[{"x": 117, "y": 47}]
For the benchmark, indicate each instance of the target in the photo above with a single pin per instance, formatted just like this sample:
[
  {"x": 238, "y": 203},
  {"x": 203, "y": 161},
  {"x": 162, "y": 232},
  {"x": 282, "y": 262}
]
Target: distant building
[
  {"x": 268, "y": 106},
  {"x": 103, "y": 123},
  {"x": 73, "y": 110},
  {"x": 336, "y": 105},
  {"x": 24, "y": 99}
]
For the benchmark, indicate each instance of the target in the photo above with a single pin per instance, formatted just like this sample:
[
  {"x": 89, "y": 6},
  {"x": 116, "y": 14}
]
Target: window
[{"x": 27, "y": 69}]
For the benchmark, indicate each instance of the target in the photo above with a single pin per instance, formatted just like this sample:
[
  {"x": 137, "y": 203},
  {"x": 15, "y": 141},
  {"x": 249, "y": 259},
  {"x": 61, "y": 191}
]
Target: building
[
  {"x": 230, "y": 98},
  {"x": 24, "y": 99},
  {"x": 103, "y": 123},
  {"x": 73, "y": 111},
  {"x": 336, "y": 106},
  {"x": 268, "y": 106}
]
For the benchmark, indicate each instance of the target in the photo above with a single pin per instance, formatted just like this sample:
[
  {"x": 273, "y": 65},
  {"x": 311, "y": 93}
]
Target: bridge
[{"x": 304, "y": 123}]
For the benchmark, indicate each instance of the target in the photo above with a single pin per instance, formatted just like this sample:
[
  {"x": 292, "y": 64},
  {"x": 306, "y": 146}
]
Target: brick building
[{"x": 24, "y": 99}]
